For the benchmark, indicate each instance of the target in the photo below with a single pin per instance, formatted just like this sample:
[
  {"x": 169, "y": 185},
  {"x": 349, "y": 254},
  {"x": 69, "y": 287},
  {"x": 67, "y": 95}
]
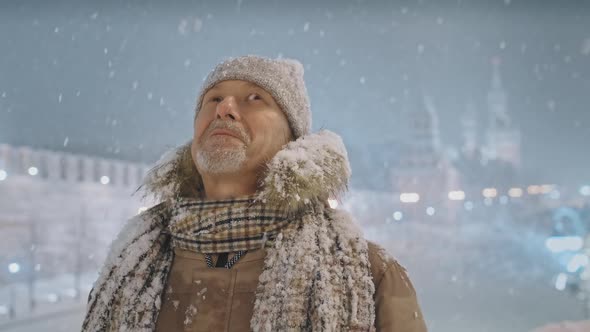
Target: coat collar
[{"x": 310, "y": 169}]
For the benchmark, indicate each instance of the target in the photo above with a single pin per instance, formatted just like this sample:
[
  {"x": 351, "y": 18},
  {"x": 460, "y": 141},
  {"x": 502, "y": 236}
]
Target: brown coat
[{"x": 198, "y": 298}]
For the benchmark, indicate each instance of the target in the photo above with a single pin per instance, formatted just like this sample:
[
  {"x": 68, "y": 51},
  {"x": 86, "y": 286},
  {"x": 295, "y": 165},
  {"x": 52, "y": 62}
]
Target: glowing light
[
  {"x": 533, "y": 190},
  {"x": 3, "y": 310},
  {"x": 33, "y": 171},
  {"x": 578, "y": 261},
  {"x": 398, "y": 215},
  {"x": 141, "y": 209},
  {"x": 490, "y": 192},
  {"x": 105, "y": 179},
  {"x": 561, "y": 281},
  {"x": 13, "y": 267},
  {"x": 546, "y": 188},
  {"x": 468, "y": 205},
  {"x": 515, "y": 192},
  {"x": 430, "y": 211},
  {"x": 564, "y": 243},
  {"x": 409, "y": 197},
  {"x": 3, "y": 175},
  {"x": 584, "y": 190},
  {"x": 333, "y": 203},
  {"x": 457, "y": 195},
  {"x": 52, "y": 297}
]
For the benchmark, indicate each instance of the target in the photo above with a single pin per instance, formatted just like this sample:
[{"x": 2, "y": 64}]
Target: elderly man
[{"x": 244, "y": 238}]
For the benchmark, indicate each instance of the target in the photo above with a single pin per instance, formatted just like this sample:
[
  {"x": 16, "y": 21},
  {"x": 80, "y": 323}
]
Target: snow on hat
[{"x": 281, "y": 78}]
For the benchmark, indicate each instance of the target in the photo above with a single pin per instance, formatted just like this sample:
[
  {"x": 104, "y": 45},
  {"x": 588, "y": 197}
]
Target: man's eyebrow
[
  {"x": 253, "y": 85},
  {"x": 215, "y": 87}
]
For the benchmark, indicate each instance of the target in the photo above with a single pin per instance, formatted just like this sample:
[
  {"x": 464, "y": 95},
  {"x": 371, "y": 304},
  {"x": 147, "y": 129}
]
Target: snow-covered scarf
[
  {"x": 228, "y": 225},
  {"x": 316, "y": 276}
]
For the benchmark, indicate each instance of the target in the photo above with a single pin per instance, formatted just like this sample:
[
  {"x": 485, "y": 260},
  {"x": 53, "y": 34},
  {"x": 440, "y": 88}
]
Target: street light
[
  {"x": 33, "y": 171},
  {"x": 456, "y": 195},
  {"x": 558, "y": 244},
  {"x": 489, "y": 192},
  {"x": 409, "y": 197},
  {"x": 515, "y": 192},
  {"x": 534, "y": 189},
  {"x": 3, "y": 175},
  {"x": 13, "y": 268},
  {"x": 105, "y": 179},
  {"x": 546, "y": 188}
]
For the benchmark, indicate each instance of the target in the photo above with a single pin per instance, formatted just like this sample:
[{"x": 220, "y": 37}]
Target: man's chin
[{"x": 221, "y": 160}]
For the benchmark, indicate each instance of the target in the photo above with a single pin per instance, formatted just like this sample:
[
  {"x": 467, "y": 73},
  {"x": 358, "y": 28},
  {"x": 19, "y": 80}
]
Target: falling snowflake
[
  {"x": 306, "y": 27},
  {"x": 420, "y": 48}
]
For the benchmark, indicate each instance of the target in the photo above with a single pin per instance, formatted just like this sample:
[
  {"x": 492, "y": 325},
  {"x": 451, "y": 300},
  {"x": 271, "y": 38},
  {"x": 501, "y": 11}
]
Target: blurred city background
[{"x": 466, "y": 123}]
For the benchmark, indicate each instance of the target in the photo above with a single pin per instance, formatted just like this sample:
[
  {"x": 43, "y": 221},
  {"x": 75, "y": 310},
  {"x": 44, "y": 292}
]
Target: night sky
[{"x": 119, "y": 79}]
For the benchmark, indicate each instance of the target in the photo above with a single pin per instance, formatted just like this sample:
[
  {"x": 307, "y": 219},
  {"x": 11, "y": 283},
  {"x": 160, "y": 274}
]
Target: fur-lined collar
[{"x": 311, "y": 169}]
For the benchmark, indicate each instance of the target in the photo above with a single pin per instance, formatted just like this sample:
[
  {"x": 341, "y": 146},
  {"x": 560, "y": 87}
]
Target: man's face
[{"x": 238, "y": 129}]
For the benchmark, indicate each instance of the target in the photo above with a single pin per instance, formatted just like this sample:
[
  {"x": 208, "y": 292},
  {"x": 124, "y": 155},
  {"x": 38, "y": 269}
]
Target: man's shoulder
[
  {"x": 158, "y": 213},
  {"x": 379, "y": 259},
  {"x": 396, "y": 302},
  {"x": 384, "y": 265},
  {"x": 157, "y": 208}
]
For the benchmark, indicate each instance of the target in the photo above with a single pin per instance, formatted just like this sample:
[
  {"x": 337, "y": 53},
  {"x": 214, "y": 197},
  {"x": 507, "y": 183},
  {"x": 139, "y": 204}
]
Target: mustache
[{"x": 230, "y": 126}]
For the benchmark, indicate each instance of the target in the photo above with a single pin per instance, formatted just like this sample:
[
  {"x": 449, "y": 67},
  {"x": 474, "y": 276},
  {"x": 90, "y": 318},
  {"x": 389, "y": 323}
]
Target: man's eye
[
  {"x": 255, "y": 95},
  {"x": 216, "y": 99}
]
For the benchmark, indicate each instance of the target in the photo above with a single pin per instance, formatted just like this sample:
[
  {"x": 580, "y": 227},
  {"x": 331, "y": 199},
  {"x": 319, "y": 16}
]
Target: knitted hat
[{"x": 281, "y": 78}]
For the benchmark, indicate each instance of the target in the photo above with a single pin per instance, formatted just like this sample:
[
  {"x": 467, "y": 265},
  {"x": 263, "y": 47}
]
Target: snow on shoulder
[{"x": 313, "y": 167}]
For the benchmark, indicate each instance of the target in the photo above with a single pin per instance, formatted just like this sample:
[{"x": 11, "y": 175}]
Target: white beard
[{"x": 219, "y": 159}]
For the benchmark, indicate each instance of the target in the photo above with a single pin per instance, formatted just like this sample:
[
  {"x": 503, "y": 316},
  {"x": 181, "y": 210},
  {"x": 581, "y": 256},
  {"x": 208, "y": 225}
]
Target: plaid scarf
[{"x": 226, "y": 225}]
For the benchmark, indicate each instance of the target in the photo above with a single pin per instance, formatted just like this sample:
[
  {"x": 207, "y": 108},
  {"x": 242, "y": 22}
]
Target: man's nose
[{"x": 228, "y": 108}]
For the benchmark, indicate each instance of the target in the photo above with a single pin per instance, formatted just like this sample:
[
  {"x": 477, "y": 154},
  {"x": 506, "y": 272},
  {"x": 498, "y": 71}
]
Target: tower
[
  {"x": 502, "y": 137},
  {"x": 420, "y": 167},
  {"x": 469, "y": 130}
]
